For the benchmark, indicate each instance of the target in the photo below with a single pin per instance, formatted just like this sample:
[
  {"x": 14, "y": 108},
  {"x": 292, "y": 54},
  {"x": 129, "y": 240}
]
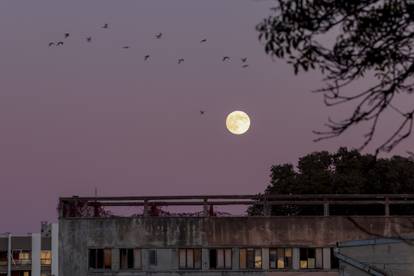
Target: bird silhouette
[
  {"x": 180, "y": 60},
  {"x": 60, "y": 43},
  {"x": 67, "y": 35},
  {"x": 146, "y": 57},
  {"x": 202, "y": 112},
  {"x": 244, "y": 60},
  {"x": 105, "y": 26},
  {"x": 51, "y": 44},
  {"x": 89, "y": 39},
  {"x": 158, "y": 36},
  {"x": 245, "y": 65},
  {"x": 203, "y": 40},
  {"x": 225, "y": 58},
  {"x": 125, "y": 47}
]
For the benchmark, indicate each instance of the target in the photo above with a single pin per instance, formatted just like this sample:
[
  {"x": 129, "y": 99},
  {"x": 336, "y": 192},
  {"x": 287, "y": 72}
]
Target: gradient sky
[{"x": 94, "y": 115}]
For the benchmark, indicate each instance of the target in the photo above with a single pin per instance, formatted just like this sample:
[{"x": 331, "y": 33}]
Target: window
[
  {"x": 100, "y": 258},
  {"x": 45, "y": 257},
  {"x": 189, "y": 258},
  {"x": 280, "y": 258},
  {"x": 334, "y": 260},
  {"x": 130, "y": 258},
  {"x": 310, "y": 258},
  {"x": 21, "y": 257},
  {"x": 250, "y": 258},
  {"x": 3, "y": 258},
  {"x": 152, "y": 257},
  {"x": 20, "y": 273},
  {"x": 221, "y": 258}
]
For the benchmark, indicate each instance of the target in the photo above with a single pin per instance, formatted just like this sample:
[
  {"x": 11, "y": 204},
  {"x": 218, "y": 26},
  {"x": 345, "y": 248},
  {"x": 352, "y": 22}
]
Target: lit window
[
  {"x": 189, "y": 258},
  {"x": 100, "y": 258},
  {"x": 221, "y": 258},
  {"x": 45, "y": 257},
  {"x": 311, "y": 258},
  {"x": 280, "y": 258},
  {"x": 250, "y": 258},
  {"x": 21, "y": 257}
]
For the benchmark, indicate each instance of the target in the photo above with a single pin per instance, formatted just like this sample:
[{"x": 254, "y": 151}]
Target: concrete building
[
  {"x": 30, "y": 255},
  {"x": 92, "y": 241}
]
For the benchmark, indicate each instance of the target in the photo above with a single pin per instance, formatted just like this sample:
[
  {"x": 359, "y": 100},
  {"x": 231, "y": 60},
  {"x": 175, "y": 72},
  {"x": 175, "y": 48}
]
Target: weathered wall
[
  {"x": 396, "y": 258},
  {"x": 76, "y": 235}
]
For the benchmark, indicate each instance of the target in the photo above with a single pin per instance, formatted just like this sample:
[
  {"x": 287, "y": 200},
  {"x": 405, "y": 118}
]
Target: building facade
[
  {"x": 34, "y": 254},
  {"x": 93, "y": 242}
]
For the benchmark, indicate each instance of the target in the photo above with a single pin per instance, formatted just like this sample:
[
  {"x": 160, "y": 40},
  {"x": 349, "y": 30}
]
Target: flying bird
[
  {"x": 225, "y": 58},
  {"x": 51, "y": 44},
  {"x": 180, "y": 60},
  {"x": 60, "y": 43},
  {"x": 125, "y": 47},
  {"x": 89, "y": 39},
  {"x": 158, "y": 36},
  {"x": 146, "y": 57},
  {"x": 202, "y": 112},
  {"x": 245, "y": 65},
  {"x": 244, "y": 60},
  {"x": 67, "y": 35},
  {"x": 105, "y": 26},
  {"x": 203, "y": 40}
]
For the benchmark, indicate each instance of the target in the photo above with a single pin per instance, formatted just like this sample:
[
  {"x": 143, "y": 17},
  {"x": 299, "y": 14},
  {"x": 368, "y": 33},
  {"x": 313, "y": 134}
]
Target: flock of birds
[{"x": 146, "y": 57}]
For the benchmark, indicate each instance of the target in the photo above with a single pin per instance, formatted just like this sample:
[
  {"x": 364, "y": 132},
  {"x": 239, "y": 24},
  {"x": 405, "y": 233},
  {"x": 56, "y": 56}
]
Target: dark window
[
  {"x": 189, "y": 258},
  {"x": 280, "y": 258},
  {"x": 100, "y": 258},
  {"x": 21, "y": 273},
  {"x": 334, "y": 260},
  {"x": 130, "y": 258},
  {"x": 250, "y": 258},
  {"x": 3, "y": 257},
  {"x": 310, "y": 258},
  {"x": 152, "y": 256},
  {"x": 221, "y": 258}
]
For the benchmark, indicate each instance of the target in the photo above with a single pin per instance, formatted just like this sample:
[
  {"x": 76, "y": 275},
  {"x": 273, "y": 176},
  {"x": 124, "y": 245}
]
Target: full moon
[{"x": 238, "y": 122}]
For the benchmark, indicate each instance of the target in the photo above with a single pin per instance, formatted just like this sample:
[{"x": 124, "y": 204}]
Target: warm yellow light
[{"x": 238, "y": 122}]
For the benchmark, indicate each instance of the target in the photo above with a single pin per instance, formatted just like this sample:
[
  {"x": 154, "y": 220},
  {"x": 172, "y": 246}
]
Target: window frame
[
  {"x": 194, "y": 262},
  {"x": 104, "y": 267},
  {"x": 316, "y": 249},
  {"x": 136, "y": 263},
  {"x": 152, "y": 251},
  {"x": 224, "y": 249},
  {"x": 286, "y": 265},
  {"x": 254, "y": 249}
]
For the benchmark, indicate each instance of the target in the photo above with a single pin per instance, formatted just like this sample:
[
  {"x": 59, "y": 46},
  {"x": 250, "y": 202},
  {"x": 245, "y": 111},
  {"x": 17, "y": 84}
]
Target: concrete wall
[
  {"x": 77, "y": 235},
  {"x": 396, "y": 258}
]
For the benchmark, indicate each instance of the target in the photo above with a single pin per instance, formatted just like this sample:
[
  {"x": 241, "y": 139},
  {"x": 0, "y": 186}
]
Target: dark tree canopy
[
  {"x": 342, "y": 172},
  {"x": 348, "y": 41}
]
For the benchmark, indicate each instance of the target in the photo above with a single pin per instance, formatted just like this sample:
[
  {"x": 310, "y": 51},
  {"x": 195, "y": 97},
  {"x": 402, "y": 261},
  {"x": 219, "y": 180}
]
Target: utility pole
[{"x": 9, "y": 254}]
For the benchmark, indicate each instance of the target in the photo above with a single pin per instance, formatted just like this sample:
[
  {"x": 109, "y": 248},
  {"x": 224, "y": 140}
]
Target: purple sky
[{"x": 94, "y": 115}]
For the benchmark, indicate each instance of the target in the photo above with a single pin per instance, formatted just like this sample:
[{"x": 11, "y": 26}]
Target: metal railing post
[
  {"x": 387, "y": 207},
  {"x": 326, "y": 208},
  {"x": 9, "y": 253}
]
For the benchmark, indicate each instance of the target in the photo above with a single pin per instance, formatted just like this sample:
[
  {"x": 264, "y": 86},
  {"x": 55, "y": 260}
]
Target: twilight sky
[{"x": 89, "y": 115}]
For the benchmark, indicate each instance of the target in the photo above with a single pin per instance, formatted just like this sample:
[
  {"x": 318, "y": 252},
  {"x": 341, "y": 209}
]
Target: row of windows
[
  {"x": 219, "y": 258},
  {"x": 24, "y": 257}
]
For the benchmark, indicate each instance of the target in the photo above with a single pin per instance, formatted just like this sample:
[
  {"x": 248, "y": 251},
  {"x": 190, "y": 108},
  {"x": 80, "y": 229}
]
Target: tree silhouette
[
  {"x": 348, "y": 41},
  {"x": 342, "y": 172}
]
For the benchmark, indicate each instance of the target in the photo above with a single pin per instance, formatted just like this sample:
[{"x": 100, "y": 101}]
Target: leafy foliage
[
  {"x": 348, "y": 41},
  {"x": 343, "y": 172}
]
